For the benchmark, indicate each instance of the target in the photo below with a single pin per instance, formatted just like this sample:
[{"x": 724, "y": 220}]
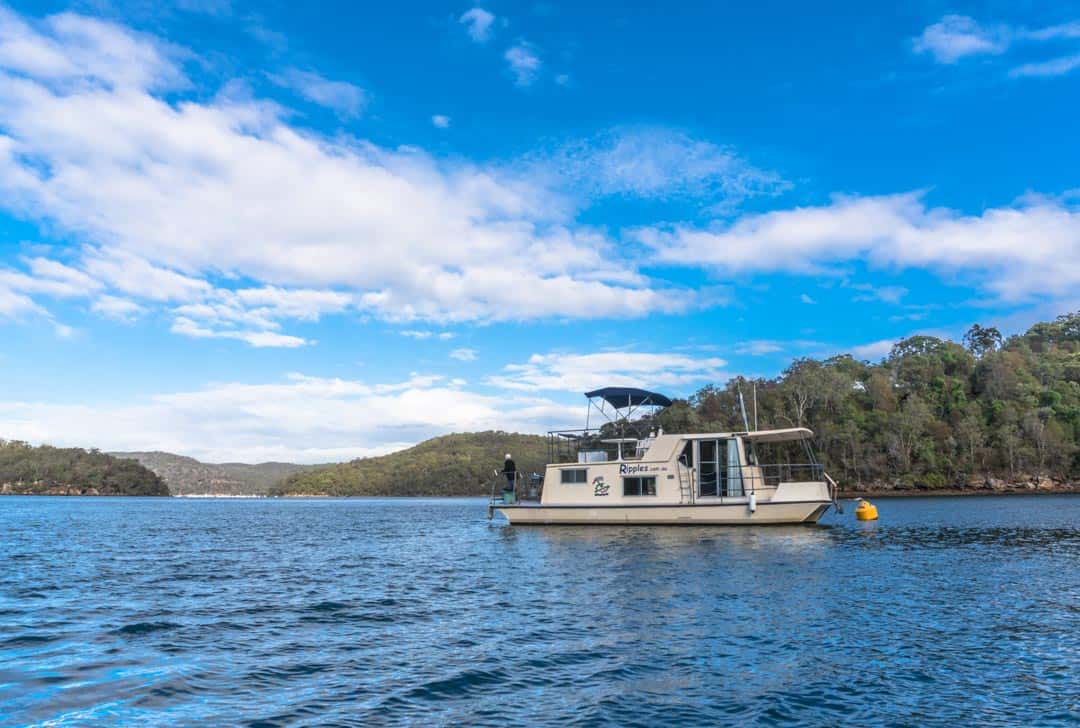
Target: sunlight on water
[{"x": 953, "y": 611}]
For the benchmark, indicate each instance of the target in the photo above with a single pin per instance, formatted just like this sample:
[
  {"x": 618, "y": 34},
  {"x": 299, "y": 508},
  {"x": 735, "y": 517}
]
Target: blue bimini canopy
[{"x": 620, "y": 397}]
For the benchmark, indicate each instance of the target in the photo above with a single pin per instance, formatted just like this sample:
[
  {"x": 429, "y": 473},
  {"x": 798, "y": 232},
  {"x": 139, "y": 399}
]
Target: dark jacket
[{"x": 509, "y": 467}]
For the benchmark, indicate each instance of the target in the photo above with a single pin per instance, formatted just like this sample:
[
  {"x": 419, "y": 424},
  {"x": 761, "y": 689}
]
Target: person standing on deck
[{"x": 510, "y": 471}]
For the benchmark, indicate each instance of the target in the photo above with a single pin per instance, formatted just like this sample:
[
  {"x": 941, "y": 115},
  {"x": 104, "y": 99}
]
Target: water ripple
[{"x": 420, "y": 612}]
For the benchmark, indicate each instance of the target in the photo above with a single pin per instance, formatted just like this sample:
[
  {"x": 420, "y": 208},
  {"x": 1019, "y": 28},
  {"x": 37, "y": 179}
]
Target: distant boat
[{"x": 629, "y": 472}]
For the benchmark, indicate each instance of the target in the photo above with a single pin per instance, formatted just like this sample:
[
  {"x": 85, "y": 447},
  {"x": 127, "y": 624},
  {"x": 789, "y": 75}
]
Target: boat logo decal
[{"x": 599, "y": 487}]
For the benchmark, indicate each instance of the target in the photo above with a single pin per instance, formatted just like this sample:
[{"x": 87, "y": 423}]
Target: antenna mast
[
  {"x": 755, "y": 405},
  {"x": 742, "y": 406}
]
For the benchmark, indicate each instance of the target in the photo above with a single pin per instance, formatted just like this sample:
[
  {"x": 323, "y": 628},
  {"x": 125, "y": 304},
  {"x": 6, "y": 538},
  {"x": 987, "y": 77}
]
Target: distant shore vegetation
[
  {"x": 46, "y": 470},
  {"x": 450, "y": 465}
]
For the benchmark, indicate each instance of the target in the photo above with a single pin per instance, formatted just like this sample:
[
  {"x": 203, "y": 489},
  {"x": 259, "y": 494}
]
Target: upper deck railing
[
  {"x": 565, "y": 445},
  {"x": 776, "y": 473}
]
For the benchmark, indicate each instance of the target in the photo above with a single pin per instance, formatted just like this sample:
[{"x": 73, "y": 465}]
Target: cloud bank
[{"x": 173, "y": 195}]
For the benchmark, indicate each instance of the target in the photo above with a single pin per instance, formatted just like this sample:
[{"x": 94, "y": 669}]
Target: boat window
[
  {"x": 639, "y": 486},
  {"x": 751, "y": 452},
  {"x": 576, "y": 475},
  {"x": 687, "y": 456}
]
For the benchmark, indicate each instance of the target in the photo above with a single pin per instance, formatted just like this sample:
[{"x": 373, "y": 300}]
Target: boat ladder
[
  {"x": 686, "y": 485},
  {"x": 834, "y": 492}
]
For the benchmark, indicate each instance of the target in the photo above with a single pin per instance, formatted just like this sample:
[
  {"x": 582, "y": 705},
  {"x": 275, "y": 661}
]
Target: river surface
[{"x": 947, "y": 611}]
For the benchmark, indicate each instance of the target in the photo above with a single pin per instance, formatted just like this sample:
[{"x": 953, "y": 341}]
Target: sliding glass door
[
  {"x": 709, "y": 470},
  {"x": 719, "y": 473}
]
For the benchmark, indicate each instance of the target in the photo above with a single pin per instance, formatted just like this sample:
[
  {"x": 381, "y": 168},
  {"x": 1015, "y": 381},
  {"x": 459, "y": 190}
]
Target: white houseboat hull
[{"x": 727, "y": 514}]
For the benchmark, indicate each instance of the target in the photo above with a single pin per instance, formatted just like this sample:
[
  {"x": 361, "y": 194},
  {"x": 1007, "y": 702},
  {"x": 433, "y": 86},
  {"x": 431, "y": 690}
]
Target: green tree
[{"x": 980, "y": 340}]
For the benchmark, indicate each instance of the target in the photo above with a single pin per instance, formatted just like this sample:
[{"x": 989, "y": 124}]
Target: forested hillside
[
  {"x": 71, "y": 471},
  {"x": 188, "y": 476},
  {"x": 459, "y": 464},
  {"x": 934, "y": 414}
]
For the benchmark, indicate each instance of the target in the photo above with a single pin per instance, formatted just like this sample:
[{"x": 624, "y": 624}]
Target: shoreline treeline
[
  {"x": 933, "y": 414},
  {"x": 47, "y": 470}
]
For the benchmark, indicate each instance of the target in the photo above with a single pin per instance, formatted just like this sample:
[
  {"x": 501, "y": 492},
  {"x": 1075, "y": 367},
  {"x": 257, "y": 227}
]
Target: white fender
[{"x": 752, "y": 503}]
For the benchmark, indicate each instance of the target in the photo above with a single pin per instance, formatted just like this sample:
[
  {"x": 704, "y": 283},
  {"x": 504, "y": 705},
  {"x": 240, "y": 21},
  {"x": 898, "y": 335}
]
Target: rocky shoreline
[
  {"x": 40, "y": 488},
  {"x": 1023, "y": 485}
]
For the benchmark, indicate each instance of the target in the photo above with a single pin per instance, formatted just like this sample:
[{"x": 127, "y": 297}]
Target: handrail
[
  {"x": 834, "y": 492},
  {"x": 521, "y": 482},
  {"x": 752, "y": 478}
]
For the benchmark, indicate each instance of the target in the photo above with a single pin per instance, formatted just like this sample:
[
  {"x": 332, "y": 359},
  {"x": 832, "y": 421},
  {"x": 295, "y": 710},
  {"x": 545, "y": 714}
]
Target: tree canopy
[
  {"x": 35, "y": 470},
  {"x": 933, "y": 413}
]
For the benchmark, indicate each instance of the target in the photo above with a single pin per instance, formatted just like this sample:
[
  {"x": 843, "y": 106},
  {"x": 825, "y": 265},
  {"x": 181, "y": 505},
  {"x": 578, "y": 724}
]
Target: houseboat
[{"x": 628, "y": 471}]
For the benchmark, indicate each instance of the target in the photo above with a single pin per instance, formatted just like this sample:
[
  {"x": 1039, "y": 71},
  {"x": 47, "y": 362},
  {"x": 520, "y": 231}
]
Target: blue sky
[{"x": 316, "y": 231}]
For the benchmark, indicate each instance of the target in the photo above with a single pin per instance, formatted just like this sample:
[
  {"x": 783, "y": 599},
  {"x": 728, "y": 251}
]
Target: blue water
[{"x": 949, "y": 611}]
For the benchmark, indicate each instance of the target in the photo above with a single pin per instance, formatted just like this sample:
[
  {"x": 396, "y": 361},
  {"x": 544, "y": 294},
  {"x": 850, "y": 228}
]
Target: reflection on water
[{"x": 945, "y": 611}]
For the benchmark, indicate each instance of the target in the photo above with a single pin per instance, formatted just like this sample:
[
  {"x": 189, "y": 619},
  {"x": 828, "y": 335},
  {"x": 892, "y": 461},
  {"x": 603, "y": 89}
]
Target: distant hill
[
  {"x": 188, "y": 476},
  {"x": 45, "y": 470},
  {"x": 459, "y": 464}
]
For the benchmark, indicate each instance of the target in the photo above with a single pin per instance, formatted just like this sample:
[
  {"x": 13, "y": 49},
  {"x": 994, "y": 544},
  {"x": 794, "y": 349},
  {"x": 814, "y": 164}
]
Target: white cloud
[
  {"x": 478, "y": 23},
  {"x": 885, "y": 294},
  {"x": 259, "y": 339},
  {"x": 14, "y": 305},
  {"x": 50, "y": 278},
  {"x": 301, "y": 419},
  {"x": 1053, "y": 32},
  {"x": 73, "y": 49},
  {"x": 873, "y": 351},
  {"x": 759, "y": 347},
  {"x": 1055, "y": 67},
  {"x": 656, "y": 163},
  {"x": 169, "y": 192},
  {"x": 130, "y": 274},
  {"x": 44, "y": 278},
  {"x": 805, "y": 298},
  {"x": 302, "y": 304},
  {"x": 524, "y": 62},
  {"x": 68, "y": 281},
  {"x": 463, "y": 354},
  {"x": 421, "y": 334},
  {"x": 1027, "y": 250},
  {"x": 439, "y": 121},
  {"x": 346, "y": 99},
  {"x": 119, "y": 309},
  {"x": 957, "y": 36},
  {"x": 578, "y": 373}
]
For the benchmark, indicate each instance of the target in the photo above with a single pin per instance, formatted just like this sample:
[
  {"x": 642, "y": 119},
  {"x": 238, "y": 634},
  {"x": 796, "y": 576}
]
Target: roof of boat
[
  {"x": 629, "y": 397},
  {"x": 663, "y": 447}
]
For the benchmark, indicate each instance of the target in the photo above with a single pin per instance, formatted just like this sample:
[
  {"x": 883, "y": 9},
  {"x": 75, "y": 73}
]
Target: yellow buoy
[{"x": 866, "y": 511}]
